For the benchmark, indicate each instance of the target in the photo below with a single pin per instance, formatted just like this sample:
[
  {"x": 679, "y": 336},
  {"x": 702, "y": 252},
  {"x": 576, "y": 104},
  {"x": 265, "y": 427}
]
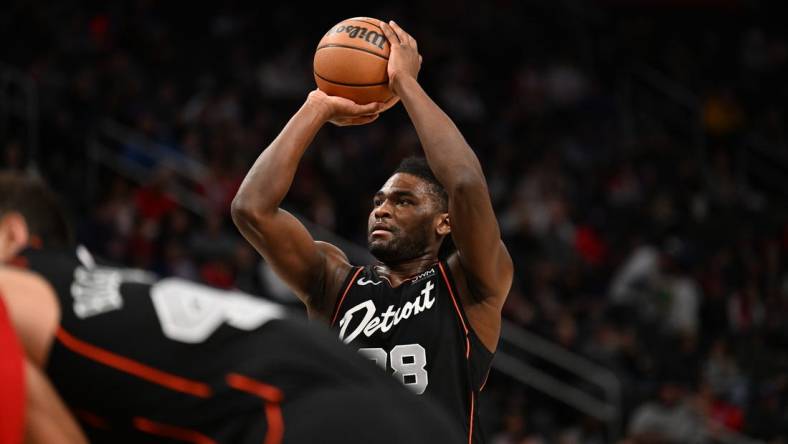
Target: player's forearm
[
  {"x": 268, "y": 181},
  {"x": 47, "y": 420},
  {"x": 450, "y": 158}
]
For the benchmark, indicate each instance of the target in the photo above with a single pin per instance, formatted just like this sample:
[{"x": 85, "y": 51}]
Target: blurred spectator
[
  {"x": 745, "y": 310},
  {"x": 153, "y": 201},
  {"x": 669, "y": 419},
  {"x": 722, "y": 375},
  {"x": 213, "y": 240},
  {"x": 513, "y": 429}
]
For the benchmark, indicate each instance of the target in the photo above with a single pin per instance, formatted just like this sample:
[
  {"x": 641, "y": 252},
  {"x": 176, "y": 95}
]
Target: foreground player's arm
[
  {"x": 33, "y": 309},
  {"x": 308, "y": 267},
  {"x": 47, "y": 420},
  {"x": 474, "y": 228},
  {"x": 34, "y": 313}
]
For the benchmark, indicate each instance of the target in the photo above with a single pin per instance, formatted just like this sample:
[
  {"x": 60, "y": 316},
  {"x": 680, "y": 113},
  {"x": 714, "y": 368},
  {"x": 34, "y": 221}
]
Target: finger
[
  {"x": 388, "y": 32},
  {"x": 365, "y": 119},
  {"x": 343, "y": 121},
  {"x": 413, "y": 42},
  {"x": 351, "y": 108},
  {"x": 389, "y": 103},
  {"x": 362, "y": 120},
  {"x": 401, "y": 34},
  {"x": 368, "y": 109},
  {"x": 343, "y": 102}
]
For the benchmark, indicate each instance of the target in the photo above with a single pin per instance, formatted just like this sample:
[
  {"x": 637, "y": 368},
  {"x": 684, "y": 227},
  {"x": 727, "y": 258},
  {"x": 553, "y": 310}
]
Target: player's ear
[
  {"x": 444, "y": 224},
  {"x": 14, "y": 235}
]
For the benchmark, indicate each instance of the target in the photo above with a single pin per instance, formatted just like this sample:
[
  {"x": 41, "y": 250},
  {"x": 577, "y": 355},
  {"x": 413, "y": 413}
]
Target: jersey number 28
[{"x": 407, "y": 362}]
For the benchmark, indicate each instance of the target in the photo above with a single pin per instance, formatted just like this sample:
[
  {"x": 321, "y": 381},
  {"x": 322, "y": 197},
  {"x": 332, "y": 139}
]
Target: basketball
[{"x": 351, "y": 61}]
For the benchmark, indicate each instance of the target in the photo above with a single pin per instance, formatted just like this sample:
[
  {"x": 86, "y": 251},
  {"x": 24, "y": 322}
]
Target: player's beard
[{"x": 400, "y": 247}]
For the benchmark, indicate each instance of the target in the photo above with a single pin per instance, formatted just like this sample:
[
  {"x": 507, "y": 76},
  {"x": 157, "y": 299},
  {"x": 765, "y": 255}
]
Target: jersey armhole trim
[
  {"x": 470, "y": 420},
  {"x": 449, "y": 278},
  {"x": 457, "y": 309},
  {"x": 342, "y": 299},
  {"x": 170, "y": 431},
  {"x": 486, "y": 377}
]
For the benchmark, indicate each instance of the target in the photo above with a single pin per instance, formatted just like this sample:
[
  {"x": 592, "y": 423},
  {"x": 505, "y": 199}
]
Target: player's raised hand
[
  {"x": 404, "y": 59},
  {"x": 344, "y": 112}
]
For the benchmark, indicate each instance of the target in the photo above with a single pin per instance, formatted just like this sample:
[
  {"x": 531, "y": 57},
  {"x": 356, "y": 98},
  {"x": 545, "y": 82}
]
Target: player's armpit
[
  {"x": 308, "y": 267},
  {"x": 485, "y": 260},
  {"x": 484, "y": 314}
]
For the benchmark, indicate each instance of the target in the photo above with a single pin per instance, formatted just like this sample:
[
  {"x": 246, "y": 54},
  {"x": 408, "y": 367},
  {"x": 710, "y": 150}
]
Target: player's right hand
[
  {"x": 344, "y": 112},
  {"x": 404, "y": 59}
]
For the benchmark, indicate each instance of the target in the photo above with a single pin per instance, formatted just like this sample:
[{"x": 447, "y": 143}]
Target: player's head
[
  {"x": 410, "y": 214},
  {"x": 29, "y": 215}
]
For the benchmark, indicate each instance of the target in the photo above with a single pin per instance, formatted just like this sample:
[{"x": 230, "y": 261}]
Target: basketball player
[
  {"x": 138, "y": 359},
  {"x": 431, "y": 321}
]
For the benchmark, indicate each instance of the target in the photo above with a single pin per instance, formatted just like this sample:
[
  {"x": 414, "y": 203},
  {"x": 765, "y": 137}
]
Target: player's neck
[{"x": 399, "y": 272}]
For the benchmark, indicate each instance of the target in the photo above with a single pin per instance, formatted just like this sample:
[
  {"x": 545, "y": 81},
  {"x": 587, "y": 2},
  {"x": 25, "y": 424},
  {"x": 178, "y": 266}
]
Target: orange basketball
[{"x": 351, "y": 61}]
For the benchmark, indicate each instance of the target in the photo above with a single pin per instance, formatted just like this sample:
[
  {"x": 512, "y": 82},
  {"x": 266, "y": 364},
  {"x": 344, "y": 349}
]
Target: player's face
[{"x": 401, "y": 225}]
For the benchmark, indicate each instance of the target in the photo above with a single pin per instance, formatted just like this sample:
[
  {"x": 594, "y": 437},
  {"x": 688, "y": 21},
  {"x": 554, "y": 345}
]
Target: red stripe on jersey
[
  {"x": 92, "y": 419},
  {"x": 276, "y": 425},
  {"x": 271, "y": 395},
  {"x": 470, "y": 420},
  {"x": 457, "y": 309},
  {"x": 170, "y": 431},
  {"x": 132, "y": 367},
  {"x": 467, "y": 346},
  {"x": 485, "y": 380},
  {"x": 268, "y": 392},
  {"x": 342, "y": 299}
]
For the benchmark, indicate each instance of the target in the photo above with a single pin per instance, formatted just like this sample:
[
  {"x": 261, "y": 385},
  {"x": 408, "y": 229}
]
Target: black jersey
[
  {"x": 145, "y": 360},
  {"x": 418, "y": 332}
]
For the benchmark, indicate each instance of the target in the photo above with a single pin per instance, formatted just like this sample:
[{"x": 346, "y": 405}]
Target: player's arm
[
  {"x": 474, "y": 228},
  {"x": 305, "y": 265},
  {"x": 34, "y": 314},
  {"x": 33, "y": 310},
  {"x": 47, "y": 419}
]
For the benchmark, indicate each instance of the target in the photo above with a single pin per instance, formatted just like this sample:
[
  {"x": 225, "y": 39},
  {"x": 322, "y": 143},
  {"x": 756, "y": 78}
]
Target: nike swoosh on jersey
[{"x": 363, "y": 282}]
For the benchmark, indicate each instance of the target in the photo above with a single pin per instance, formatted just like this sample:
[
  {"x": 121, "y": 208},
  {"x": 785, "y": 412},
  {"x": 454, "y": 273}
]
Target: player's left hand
[
  {"x": 344, "y": 112},
  {"x": 404, "y": 58}
]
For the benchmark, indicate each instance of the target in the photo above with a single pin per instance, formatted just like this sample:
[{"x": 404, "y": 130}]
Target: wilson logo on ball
[
  {"x": 359, "y": 32},
  {"x": 351, "y": 61}
]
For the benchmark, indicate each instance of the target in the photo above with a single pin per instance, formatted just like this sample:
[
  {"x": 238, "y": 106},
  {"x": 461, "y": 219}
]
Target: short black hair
[
  {"x": 30, "y": 197},
  {"x": 417, "y": 166}
]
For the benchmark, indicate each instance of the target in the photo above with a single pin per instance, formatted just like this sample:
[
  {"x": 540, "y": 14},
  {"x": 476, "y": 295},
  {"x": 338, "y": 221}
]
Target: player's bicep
[
  {"x": 288, "y": 248},
  {"x": 476, "y": 235}
]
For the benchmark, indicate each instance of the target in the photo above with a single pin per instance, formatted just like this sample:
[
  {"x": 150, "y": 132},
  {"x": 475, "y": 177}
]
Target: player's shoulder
[
  {"x": 332, "y": 252},
  {"x": 22, "y": 281},
  {"x": 337, "y": 268},
  {"x": 337, "y": 265}
]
